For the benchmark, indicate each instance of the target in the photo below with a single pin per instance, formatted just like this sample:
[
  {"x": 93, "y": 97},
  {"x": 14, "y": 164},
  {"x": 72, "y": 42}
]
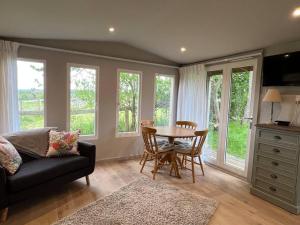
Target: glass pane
[
  {"x": 214, "y": 104},
  {"x": 83, "y": 100},
  {"x": 31, "y": 94},
  {"x": 129, "y": 95},
  {"x": 239, "y": 117},
  {"x": 163, "y": 100}
]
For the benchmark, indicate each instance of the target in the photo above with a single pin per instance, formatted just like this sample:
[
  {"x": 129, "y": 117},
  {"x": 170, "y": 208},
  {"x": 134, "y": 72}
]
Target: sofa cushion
[
  {"x": 42, "y": 170},
  {"x": 63, "y": 143},
  {"x": 9, "y": 157}
]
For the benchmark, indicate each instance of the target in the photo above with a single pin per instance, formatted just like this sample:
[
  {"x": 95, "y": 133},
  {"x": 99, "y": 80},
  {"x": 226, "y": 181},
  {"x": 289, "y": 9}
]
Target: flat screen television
[{"x": 282, "y": 70}]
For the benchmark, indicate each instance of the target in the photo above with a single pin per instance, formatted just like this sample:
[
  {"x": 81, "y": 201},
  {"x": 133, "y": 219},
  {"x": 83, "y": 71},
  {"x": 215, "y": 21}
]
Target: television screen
[{"x": 282, "y": 70}]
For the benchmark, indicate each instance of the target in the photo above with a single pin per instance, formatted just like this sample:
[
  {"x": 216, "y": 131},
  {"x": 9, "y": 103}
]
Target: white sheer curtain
[
  {"x": 9, "y": 117},
  {"x": 192, "y": 96}
]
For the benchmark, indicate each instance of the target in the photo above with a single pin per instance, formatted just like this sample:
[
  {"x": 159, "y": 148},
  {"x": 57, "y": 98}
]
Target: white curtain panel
[
  {"x": 192, "y": 95},
  {"x": 9, "y": 116}
]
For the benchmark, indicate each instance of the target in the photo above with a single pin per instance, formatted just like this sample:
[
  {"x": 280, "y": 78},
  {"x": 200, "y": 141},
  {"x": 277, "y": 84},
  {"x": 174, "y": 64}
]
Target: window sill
[
  {"x": 88, "y": 138},
  {"x": 127, "y": 135}
]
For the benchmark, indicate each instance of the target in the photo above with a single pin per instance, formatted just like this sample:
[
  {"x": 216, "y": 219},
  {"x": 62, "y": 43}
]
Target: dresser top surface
[{"x": 276, "y": 127}]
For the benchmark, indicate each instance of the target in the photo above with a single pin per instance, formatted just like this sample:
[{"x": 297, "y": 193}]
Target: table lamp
[{"x": 272, "y": 96}]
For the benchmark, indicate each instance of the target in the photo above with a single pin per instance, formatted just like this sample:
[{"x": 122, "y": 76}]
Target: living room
[{"x": 149, "y": 112}]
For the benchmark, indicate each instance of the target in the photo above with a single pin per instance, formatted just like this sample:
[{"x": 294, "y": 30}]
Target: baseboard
[
  {"x": 123, "y": 158},
  {"x": 226, "y": 171}
]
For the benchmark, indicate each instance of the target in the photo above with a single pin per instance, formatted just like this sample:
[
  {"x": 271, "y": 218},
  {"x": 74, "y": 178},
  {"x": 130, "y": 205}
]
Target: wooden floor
[{"x": 236, "y": 205}]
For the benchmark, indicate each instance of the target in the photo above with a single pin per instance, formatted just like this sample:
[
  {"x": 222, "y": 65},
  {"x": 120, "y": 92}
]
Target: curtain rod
[
  {"x": 232, "y": 58},
  {"x": 96, "y": 55}
]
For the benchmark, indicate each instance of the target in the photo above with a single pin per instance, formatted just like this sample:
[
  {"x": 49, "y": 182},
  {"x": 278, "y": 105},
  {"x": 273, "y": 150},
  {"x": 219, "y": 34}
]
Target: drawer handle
[
  {"x": 274, "y": 176},
  {"x": 272, "y": 188},
  {"x": 277, "y": 137},
  {"x": 276, "y": 150},
  {"x": 275, "y": 163}
]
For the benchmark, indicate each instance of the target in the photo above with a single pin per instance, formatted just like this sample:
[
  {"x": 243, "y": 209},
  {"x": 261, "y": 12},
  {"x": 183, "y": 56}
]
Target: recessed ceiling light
[
  {"x": 296, "y": 12},
  {"x": 111, "y": 29},
  {"x": 286, "y": 55},
  {"x": 182, "y": 49}
]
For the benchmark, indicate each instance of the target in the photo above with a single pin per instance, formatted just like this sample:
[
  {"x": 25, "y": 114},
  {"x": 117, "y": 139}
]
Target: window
[
  {"x": 163, "y": 105},
  {"x": 31, "y": 96},
  {"x": 82, "y": 99},
  {"x": 128, "y": 109}
]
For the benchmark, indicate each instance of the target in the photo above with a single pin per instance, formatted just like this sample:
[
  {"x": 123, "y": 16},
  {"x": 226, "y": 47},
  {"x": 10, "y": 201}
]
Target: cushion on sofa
[
  {"x": 34, "y": 141},
  {"x": 63, "y": 143},
  {"x": 9, "y": 157},
  {"x": 42, "y": 170}
]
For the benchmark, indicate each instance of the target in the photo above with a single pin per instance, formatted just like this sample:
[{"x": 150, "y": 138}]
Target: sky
[{"x": 28, "y": 77}]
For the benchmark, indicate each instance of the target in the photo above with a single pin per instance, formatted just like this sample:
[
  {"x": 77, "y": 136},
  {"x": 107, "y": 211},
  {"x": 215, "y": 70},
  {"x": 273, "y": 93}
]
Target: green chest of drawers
[{"x": 276, "y": 168}]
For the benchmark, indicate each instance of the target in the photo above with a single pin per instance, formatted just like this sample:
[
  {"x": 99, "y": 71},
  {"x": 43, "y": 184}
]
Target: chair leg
[
  {"x": 145, "y": 159},
  {"x": 155, "y": 167},
  {"x": 179, "y": 162},
  {"x": 3, "y": 215},
  {"x": 182, "y": 161},
  {"x": 201, "y": 165},
  {"x": 87, "y": 178},
  {"x": 143, "y": 156},
  {"x": 193, "y": 169},
  {"x": 171, "y": 170}
]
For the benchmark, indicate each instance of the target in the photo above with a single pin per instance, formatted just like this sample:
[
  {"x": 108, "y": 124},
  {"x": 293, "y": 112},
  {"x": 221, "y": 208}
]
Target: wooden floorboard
[{"x": 236, "y": 205}]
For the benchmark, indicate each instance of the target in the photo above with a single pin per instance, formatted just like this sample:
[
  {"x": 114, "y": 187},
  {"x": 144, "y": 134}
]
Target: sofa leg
[
  {"x": 3, "y": 215},
  {"x": 87, "y": 180}
]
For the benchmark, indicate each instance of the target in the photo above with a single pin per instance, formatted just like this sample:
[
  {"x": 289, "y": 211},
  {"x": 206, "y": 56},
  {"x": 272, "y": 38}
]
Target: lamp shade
[{"x": 272, "y": 95}]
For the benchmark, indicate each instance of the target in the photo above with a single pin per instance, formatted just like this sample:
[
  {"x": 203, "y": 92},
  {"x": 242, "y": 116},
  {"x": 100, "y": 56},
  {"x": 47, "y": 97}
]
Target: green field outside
[{"x": 237, "y": 139}]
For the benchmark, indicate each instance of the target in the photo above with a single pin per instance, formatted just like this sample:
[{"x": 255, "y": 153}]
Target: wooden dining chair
[
  {"x": 152, "y": 149},
  {"x": 146, "y": 123},
  {"x": 185, "y": 124},
  {"x": 193, "y": 151}
]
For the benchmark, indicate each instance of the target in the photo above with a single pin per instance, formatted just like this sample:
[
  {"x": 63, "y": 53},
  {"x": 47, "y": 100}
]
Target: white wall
[{"x": 108, "y": 146}]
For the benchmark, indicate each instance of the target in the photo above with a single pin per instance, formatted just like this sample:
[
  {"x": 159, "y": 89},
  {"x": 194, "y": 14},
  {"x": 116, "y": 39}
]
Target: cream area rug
[{"x": 144, "y": 202}]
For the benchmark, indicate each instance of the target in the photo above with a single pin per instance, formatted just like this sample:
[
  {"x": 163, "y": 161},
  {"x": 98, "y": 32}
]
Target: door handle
[{"x": 250, "y": 123}]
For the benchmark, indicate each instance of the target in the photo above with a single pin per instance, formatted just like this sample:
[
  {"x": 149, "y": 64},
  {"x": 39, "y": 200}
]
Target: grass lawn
[
  {"x": 84, "y": 122},
  {"x": 237, "y": 139},
  {"x": 31, "y": 121}
]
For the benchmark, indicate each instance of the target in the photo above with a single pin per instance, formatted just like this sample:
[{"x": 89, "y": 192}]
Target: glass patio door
[{"x": 231, "y": 89}]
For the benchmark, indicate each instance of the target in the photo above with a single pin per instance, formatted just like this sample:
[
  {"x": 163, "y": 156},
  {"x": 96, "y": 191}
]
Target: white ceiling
[{"x": 207, "y": 28}]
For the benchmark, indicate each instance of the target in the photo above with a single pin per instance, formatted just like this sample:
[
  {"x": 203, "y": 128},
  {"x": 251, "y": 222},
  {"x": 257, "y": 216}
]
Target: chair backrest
[
  {"x": 199, "y": 141},
  {"x": 186, "y": 124},
  {"x": 147, "y": 123},
  {"x": 150, "y": 140}
]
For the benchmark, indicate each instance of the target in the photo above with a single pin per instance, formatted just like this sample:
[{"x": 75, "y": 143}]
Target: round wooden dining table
[
  {"x": 174, "y": 132},
  {"x": 171, "y": 133}
]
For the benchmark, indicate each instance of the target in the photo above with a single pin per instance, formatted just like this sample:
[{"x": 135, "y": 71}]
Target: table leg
[
  {"x": 175, "y": 165},
  {"x": 171, "y": 140}
]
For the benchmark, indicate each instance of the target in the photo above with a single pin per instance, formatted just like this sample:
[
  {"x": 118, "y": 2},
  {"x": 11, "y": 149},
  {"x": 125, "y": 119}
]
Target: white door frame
[{"x": 225, "y": 100}]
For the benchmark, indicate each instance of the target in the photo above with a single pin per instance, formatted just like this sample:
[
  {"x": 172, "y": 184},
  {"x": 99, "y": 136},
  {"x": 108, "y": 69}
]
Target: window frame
[
  {"x": 172, "y": 102},
  {"x": 45, "y": 86},
  {"x": 128, "y": 134},
  {"x": 68, "y": 120}
]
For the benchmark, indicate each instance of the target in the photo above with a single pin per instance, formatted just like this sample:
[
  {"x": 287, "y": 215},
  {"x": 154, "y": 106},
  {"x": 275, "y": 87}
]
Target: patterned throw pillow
[
  {"x": 9, "y": 157},
  {"x": 63, "y": 143}
]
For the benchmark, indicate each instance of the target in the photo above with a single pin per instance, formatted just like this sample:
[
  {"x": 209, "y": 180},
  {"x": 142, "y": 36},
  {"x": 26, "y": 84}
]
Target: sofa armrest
[
  {"x": 2, "y": 187},
  {"x": 88, "y": 150}
]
